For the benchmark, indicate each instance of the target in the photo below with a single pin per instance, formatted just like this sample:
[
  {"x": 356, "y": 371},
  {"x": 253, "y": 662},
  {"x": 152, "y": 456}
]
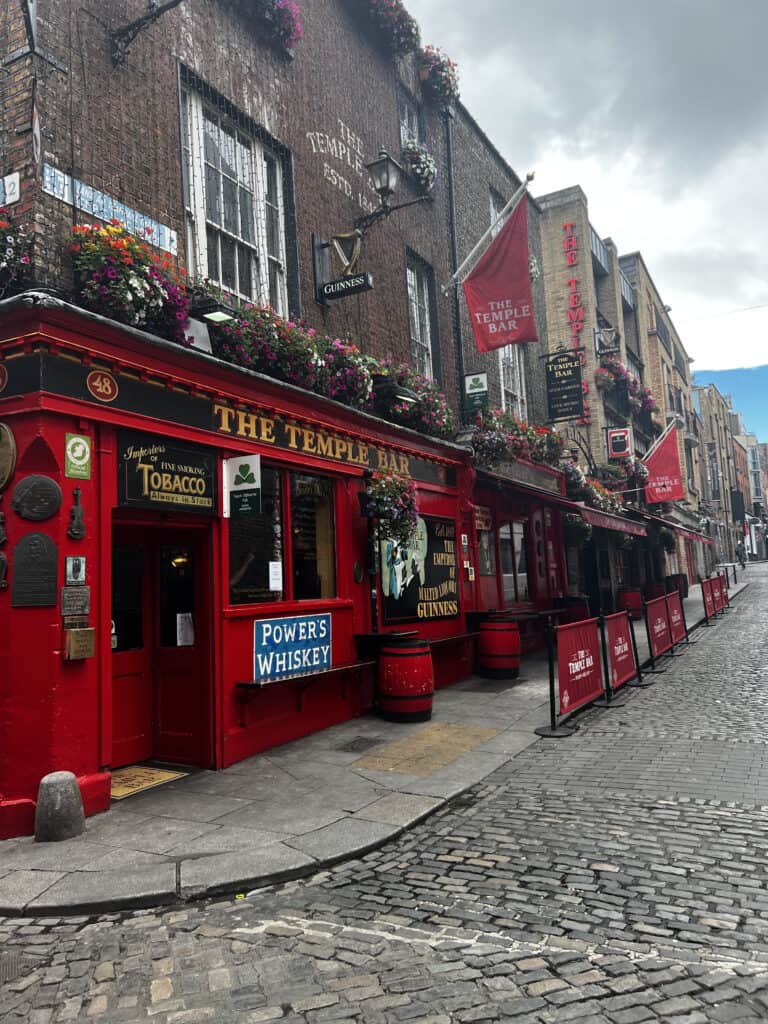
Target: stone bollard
[{"x": 59, "y": 814}]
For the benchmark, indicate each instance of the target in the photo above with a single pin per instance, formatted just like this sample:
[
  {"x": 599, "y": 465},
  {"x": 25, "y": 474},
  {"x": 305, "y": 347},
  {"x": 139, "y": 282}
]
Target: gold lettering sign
[{"x": 256, "y": 426}]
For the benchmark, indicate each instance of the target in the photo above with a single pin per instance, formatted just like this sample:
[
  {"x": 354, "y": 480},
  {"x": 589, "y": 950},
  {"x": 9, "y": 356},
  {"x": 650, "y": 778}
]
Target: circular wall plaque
[
  {"x": 36, "y": 498},
  {"x": 102, "y": 385},
  {"x": 3, "y": 377},
  {"x": 7, "y": 453}
]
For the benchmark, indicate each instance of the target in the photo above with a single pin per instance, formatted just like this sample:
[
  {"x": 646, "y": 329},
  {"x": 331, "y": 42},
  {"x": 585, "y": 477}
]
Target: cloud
[{"x": 659, "y": 111}]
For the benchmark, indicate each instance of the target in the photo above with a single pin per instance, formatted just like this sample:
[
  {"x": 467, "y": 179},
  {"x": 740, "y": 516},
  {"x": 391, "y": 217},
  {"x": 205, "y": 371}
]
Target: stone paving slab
[{"x": 312, "y": 802}]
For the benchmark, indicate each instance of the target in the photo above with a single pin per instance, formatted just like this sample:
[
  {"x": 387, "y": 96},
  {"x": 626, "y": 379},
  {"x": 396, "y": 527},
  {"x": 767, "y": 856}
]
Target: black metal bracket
[
  {"x": 121, "y": 39},
  {"x": 362, "y": 224}
]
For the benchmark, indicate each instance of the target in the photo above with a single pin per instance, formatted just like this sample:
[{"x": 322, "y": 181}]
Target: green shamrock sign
[{"x": 244, "y": 475}]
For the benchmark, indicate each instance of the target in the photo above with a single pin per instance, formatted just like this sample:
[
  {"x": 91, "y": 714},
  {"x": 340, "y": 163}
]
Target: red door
[
  {"x": 161, "y": 660},
  {"x": 131, "y": 653}
]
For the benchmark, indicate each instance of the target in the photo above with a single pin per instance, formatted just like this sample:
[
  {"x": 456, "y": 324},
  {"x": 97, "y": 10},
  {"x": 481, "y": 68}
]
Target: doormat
[{"x": 138, "y": 777}]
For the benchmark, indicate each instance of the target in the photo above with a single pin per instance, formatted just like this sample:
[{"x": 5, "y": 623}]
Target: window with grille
[
  {"x": 234, "y": 204},
  {"x": 420, "y": 305}
]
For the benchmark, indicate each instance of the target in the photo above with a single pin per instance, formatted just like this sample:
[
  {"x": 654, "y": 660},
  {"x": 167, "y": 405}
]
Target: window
[
  {"x": 497, "y": 206},
  {"x": 511, "y": 367},
  {"x": 234, "y": 204},
  {"x": 513, "y": 543},
  {"x": 302, "y": 506},
  {"x": 512, "y": 373},
  {"x": 420, "y": 291},
  {"x": 410, "y": 120}
]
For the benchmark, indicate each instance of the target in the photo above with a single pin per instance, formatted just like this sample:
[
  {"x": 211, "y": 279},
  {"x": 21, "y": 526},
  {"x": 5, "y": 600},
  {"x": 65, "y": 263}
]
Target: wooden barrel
[
  {"x": 498, "y": 649},
  {"x": 406, "y": 680}
]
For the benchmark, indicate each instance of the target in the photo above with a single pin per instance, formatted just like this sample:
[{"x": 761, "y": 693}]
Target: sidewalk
[{"x": 290, "y": 812}]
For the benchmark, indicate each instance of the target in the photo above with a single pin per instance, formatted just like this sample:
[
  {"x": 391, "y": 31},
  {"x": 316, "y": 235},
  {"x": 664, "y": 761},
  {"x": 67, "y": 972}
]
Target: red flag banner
[
  {"x": 621, "y": 656},
  {"x": 498, "y": 291},
  {"x": 580, "y": 680},
  {"x": 709, "y": 597},
  {"x": 657, "y": 620},
  {"x": 676, "y": 620},
  {"x": 665, "y": 480}
]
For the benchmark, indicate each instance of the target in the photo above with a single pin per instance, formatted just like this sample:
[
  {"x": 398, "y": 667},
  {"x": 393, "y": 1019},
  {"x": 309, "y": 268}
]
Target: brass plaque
[
  {"x": 79, "y": 644},
  {"x": 7, "y": 454},
  {"x": 35, "y": 572},
  {"x": 36, "y": 498},
  {"x": 75, "y": 600}
]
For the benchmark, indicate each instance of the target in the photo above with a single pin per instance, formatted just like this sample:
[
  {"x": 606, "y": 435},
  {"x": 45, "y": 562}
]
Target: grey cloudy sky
[{"x": 659, "y": 110}]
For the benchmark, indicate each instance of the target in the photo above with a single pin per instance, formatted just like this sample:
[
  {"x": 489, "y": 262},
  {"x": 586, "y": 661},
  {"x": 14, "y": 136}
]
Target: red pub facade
[{"x": 130, "y": 603}]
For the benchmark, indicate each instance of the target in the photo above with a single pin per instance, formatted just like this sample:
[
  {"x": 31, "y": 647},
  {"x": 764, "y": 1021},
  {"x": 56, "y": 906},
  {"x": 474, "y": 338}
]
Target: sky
[
  {"x": 748, "y": 388},
  {"x": 659, "y": 110}
]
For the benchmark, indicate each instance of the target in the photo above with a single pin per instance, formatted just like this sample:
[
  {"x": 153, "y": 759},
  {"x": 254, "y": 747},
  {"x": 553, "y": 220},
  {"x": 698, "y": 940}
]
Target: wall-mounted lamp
[
  {"x": 385, "y": 175},
  {"x": 213, "y": 311}
]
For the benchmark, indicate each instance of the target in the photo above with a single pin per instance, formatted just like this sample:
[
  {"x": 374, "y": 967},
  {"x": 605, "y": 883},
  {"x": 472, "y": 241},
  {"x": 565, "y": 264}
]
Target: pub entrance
[{"x": 162, "y": 679}]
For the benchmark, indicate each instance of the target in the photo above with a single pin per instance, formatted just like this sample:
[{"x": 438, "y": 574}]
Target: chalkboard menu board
[
  {"x": 565, "y": 398},
  {"x": 420, "y": 581}
]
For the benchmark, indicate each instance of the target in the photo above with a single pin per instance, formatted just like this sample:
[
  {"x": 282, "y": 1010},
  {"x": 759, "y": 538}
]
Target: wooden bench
[
  {"x": 303, "y": 678},
  {"x": 453, "y": 639}
]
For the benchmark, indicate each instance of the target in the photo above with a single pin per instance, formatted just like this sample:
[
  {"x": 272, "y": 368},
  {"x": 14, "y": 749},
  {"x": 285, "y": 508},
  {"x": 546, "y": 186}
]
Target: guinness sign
[{"x": 344, "y": 286}]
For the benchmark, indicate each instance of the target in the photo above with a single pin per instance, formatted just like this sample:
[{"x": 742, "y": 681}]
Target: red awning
[
  {"x": 689, "y": 535},
  {"x": 605, "y": 521},
  {"x": 671, "y": 525}
]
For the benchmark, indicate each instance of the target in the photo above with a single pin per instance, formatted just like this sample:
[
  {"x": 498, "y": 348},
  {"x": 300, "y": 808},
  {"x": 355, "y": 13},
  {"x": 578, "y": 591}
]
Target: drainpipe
[{"x": 458, "y": 339}]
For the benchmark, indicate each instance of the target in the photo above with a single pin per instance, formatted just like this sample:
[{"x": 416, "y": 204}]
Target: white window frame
[
  {"x": 268, "y": 284},
  {"x": 420, "y": 316},
  {"x": 511, "y": 365},
  {"x": 409, "y": 118}
]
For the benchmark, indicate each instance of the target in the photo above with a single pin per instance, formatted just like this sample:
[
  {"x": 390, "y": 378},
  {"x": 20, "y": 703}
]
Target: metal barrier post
[{"x": 553, "y": 730}]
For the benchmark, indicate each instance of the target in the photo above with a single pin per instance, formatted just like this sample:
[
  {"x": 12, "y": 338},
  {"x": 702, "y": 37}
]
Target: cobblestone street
[{"x": 615, "y": 877}]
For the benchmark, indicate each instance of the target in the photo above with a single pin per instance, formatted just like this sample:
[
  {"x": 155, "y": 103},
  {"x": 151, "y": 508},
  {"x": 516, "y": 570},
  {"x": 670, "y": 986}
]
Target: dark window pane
[
  {"x": 176, "y": 596},
  {"x": 228, "y": 275},
  {"x": 246, "y": 215},
  {"x": 254, "y": 542},
  {"x": 212, "y": 245},
  {"x": 273, "y": 231},
  {"x": 228, "y": 152},
  {"x": 230, "y": 205},
  {"x": 314, "y": 560},
  {"x": 486, "y": 553},
  {"x": 127, "y": 616},
  {"x": 245, "y": 268},
  {"x": 211, "y": 136},
  {"x": 212, "y": 198},
  {"x": 275, "y": 291}
]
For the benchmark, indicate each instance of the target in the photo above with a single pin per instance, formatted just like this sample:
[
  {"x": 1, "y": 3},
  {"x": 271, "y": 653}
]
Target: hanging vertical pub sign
[
  {"x": 242, "y": 486},
  {"x": 565, "y": 397}
]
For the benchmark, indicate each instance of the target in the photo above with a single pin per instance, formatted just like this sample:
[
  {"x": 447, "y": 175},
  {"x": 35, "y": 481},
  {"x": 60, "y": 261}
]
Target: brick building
[{"x": 237, "y": 162}]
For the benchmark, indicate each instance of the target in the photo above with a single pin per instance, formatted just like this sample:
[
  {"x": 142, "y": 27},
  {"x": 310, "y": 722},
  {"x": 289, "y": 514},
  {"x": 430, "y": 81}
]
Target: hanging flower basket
[
  {"x": 420, "y": 164},
  {"x": 391, "y": 498},
  {"x": 438, "y": 75},
  {"x": 577, "y": 532},
  {"x": 15, "y": 246},
  {"x": 282, "y": 19},
  {"x": 120, "y": 278},
  {"x": 397, "y": 26},
  {"x": 604, "y": 379},
  {"x": 667, "y": 539}
]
